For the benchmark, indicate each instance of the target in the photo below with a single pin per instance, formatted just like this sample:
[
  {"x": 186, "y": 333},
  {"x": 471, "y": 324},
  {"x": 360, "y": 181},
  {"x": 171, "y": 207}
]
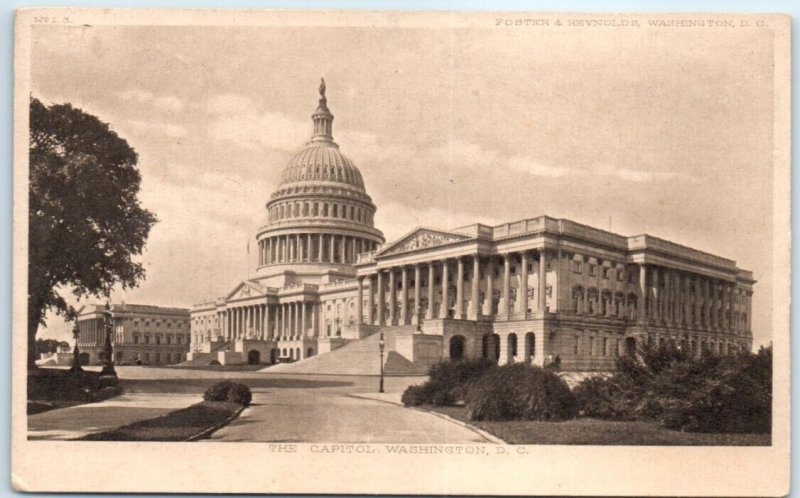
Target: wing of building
[
  {"x": 141, "y": 334},
  {"x": 536, "y": 290}
]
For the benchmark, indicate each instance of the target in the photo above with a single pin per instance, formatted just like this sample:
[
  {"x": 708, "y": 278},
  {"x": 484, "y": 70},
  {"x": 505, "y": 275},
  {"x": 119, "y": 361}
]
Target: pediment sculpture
[{"x": 422, "y": 240}]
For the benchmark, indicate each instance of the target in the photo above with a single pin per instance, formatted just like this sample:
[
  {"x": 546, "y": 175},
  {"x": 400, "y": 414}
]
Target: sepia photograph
[{"x": 415, "y": 253}]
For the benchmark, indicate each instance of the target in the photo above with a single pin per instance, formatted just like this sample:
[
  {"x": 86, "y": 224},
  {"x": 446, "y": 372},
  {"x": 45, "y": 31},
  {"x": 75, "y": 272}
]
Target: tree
[{"x": 85, "y": 222}]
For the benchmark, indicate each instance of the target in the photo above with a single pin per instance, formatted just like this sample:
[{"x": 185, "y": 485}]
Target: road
[
  {"x": 296, "y": 408},
  {"x": 327, "y": 416}
]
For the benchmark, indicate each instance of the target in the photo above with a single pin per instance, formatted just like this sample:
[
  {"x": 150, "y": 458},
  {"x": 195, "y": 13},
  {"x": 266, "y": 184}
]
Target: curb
[
  {"x": 207, "y": 432},
  {"x": 489, "y": 437}
]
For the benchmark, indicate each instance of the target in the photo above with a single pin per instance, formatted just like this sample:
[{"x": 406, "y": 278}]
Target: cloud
[
  {"x": 536, "y": 168},
  {"x": 150, "y": 128},
  {"x": 166, "y": 102}
]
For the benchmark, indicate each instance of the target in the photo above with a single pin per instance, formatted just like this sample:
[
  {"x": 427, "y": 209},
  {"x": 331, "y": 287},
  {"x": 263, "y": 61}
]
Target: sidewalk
[{"x": 78, "y": 421}]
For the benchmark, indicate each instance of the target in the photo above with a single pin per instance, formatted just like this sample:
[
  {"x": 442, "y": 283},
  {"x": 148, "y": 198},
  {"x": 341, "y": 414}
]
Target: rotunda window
[
  {"x": 335, "y": 210},
  {"x": 316, "y": 209}
]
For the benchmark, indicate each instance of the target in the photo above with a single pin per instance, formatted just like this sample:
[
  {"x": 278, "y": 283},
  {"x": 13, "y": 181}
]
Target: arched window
[
  {"x": 316, "y": 209},
  {"x": 325, "y": 209},
  {"x": 512, "y": 346},
  {"x": 335, "y": 211},
  {"x": 305, "y": 209}
]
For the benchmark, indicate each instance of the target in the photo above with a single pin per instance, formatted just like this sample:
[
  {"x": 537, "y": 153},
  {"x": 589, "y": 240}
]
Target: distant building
[
  {"x": 535, "y": 290},
  {"x": 147, "y": 335}
]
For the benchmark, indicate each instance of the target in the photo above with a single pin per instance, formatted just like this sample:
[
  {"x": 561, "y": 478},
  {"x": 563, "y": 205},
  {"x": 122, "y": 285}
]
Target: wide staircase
[
  {"x": 205, "y": 359},
  {"x": 358, "y": 358}
]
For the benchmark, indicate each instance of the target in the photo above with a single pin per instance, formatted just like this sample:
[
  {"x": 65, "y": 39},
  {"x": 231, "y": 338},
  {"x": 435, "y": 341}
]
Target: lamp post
[
  {"x": 76, "y": 352},
  {"x": 108, "y": 371},
  {"x": 381, "y": 345}
]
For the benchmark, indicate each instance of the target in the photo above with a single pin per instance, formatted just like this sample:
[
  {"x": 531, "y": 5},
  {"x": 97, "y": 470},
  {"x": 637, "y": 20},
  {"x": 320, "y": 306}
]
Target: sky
[{"x": 666, "y": 132}]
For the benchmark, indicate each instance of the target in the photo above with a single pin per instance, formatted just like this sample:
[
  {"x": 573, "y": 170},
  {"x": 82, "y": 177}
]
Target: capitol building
[{"x": 537, "y": 290}]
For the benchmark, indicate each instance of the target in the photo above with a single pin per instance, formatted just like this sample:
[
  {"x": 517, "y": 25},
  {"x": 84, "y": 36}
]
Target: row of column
[
  {"x": 473, "y": 264},
  {"x": 696, "y": 345},
  {"x": 92, "y": 331},
  {"x": 312, "y": 247},
  {"x": 287, "y": 321},
  {"x": 668, "y": 300},
  {"x": 606, "y": 303},
  {"x": 289, "y": 210}
]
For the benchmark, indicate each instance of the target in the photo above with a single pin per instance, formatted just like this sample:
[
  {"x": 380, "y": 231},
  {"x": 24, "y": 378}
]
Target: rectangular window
[
  {"x": 592, "y": 270},
  {"x": 591, "y": 346},
  {"x": 620, "y": 275},
  {"x": 605, "y": 346},
  {"x": 605, "y": 273},
  {"x": 577, "y": 348},
  {"x": 577, "y": 266}
]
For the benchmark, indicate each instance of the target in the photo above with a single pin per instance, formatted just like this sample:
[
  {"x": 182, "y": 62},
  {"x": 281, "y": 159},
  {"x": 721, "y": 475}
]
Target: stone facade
[
  {"x": 536, "y": 290},
  {"x": 146, "y": 335}
]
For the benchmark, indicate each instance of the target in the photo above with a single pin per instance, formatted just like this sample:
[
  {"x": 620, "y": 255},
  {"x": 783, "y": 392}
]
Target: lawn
[
  {"x": 179, "y": 425},
  {"x": 49, "y": 389},
  {"x": 589, "y": 431}
]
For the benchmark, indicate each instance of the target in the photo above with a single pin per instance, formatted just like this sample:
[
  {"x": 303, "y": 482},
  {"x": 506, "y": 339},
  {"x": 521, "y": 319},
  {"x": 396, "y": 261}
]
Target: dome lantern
[{"x": 323, "y": 119}]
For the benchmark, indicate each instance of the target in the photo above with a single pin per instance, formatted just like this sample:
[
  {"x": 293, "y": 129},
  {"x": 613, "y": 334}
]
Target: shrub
[
  {"x": 233, "y": 392},
  {"x": 447, "y": 383},
  {"x": 218, "y": 391},
  {"x": 725, "y": 395},
  {"x": 240, "y": 393},
  {"x": 602, "y": 398},
  {"x": 728, "y": 394},
  {"x": 415, "y": 395},
  {"x": 520, "y": 392}
]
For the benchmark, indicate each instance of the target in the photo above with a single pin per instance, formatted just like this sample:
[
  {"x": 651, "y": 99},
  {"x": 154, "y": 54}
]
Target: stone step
[{"x": 358, "y": 358}]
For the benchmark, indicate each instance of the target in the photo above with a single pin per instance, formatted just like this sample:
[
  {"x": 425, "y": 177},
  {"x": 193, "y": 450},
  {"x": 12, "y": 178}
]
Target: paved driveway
[{"x": 305, "y": 415}]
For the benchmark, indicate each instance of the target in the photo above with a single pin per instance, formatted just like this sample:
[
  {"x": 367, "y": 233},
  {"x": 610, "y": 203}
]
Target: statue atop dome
[{"x": 323, "y": 101}]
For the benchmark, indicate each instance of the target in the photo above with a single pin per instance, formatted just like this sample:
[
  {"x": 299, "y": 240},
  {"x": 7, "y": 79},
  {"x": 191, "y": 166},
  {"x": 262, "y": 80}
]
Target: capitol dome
[
  {"x": 320, "y": 212},
  {"x": 322, "y": 162}
]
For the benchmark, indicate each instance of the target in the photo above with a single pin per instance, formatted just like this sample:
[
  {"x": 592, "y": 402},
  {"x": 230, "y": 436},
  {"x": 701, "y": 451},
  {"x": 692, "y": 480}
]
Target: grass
[
  {"x": 49, "y": 389},
  {"x": 590, "y": 431},
  {"x": 179, "y": 425}
]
